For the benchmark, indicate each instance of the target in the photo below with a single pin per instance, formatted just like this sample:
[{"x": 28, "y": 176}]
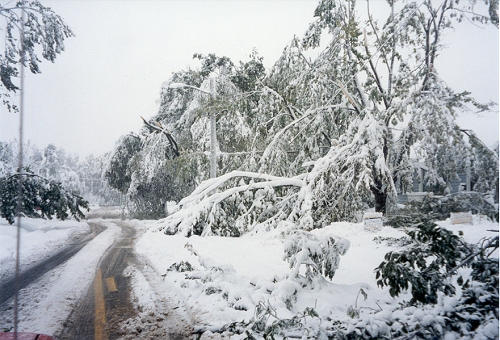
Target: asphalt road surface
[
  {"x": 107, "y": 301},
  {"x": 29, "y": 276},
  {"x": 106, "y": 311}
]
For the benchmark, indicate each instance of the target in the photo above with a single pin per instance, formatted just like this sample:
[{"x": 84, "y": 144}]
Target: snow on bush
[
  {"x": 241, "y": 286},
  {"x": 320, "y": 255}
]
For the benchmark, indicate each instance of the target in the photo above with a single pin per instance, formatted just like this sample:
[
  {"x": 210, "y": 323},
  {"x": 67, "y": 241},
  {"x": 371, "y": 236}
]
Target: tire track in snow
[{"x": 158, "y": 317}]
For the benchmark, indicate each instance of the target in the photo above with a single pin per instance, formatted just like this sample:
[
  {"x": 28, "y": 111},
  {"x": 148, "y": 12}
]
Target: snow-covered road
[
  {"x": 51, "y": 303},
  {"x": 45, "y": 305}
]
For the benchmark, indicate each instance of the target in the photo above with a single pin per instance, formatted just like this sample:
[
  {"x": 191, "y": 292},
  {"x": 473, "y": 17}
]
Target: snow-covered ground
[
  {"x": 227, "y": 279},
  {"x": 230, "y": 276}
]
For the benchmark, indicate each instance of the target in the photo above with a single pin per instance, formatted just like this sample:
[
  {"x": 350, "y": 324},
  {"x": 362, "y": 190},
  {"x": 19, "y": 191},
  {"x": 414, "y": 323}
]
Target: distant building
[{"x": 420, "y": 189}]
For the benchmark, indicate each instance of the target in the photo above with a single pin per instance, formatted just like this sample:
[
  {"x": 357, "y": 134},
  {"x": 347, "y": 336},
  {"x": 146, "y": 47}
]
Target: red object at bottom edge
[{"x": 25, "y": 336}]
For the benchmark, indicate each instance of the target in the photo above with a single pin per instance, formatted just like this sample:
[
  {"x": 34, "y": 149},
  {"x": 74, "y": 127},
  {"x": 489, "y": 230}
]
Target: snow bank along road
[{"x": 91, "y": 295}]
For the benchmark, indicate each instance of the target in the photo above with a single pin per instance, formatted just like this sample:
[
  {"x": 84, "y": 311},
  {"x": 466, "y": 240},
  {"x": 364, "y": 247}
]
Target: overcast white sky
[{"x": 111, "y": 72}]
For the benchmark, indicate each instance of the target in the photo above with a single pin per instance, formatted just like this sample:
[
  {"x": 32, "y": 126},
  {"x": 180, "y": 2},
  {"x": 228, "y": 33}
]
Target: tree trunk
[{"x": 380, "y": 197}]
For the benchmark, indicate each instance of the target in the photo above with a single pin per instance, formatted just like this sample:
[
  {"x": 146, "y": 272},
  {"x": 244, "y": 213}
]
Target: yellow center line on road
[
  {"x": 111, "y": 283},
  {"x": 100, "y": 308}
]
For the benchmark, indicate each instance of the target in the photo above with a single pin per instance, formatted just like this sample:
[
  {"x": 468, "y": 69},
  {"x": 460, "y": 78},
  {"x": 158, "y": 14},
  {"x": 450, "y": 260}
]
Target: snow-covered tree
[
  {"x": 7, "y": 158},
  {"x": 384, "y": 74},
  {"x": 93, "y": 185},
  {"x": 351, "y": 123},
  {"x": 169, "y": 156},
  {"x": 51, "y": 163},
  {"x": 49, "y": 182},
  {"x": 118, "y": 172},
  {"x": 356, "y": 117}
]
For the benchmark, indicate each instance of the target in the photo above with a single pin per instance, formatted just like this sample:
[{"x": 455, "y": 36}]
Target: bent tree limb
[
  {"x": 41, "y": 198},
  {"x": 205, "y": 197},
  {"x": 160, "y": 129},
  {"x": 492, "y": 243},
  {"x": 203, "y": 190}
]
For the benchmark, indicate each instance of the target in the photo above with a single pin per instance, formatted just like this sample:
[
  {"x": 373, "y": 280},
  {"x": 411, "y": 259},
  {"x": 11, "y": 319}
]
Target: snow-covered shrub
[
  {"x": 267, "y": 324},
  {"x": 180, "y": 267},
  {"x": 320, "y": 256},
  {"x": 428, "y": 265},
  {"x": 443, "y": 302},
  {"x": 474, "y": 315}
]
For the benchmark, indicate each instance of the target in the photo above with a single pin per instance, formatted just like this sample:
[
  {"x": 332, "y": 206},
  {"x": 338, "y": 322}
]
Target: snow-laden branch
[
  {"x": 210, "y": 185},
  {"x": 219, "y": 197},
  {"x": 490, "y": 243},
  {"x": 205, "y": 199}
]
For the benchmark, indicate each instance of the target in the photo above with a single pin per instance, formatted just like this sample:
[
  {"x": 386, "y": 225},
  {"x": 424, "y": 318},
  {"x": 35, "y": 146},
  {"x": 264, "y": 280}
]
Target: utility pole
[
  {"x": 213, "y": 128},
  {"x": 213, "y": 134}
]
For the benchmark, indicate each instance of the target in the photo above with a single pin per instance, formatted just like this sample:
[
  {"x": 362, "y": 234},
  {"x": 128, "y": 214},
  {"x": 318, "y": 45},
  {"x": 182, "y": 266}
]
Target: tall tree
[
  {"x": 359, "y": 116},
  {"x": 381, "y": 78}
]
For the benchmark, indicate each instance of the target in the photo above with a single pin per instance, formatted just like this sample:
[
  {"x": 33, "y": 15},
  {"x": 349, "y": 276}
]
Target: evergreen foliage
[{"x": 41, "y": 198}]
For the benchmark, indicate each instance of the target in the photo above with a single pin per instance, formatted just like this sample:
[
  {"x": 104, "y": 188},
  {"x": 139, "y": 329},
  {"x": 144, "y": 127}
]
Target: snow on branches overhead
[{"x": 42, "y": 27}]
